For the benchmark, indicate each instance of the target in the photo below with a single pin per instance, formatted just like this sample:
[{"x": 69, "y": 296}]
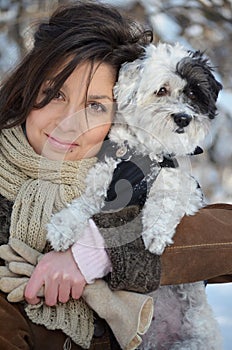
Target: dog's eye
[
  {"x": 192, "y": 95},
  {"x": 162, "y": 91}
]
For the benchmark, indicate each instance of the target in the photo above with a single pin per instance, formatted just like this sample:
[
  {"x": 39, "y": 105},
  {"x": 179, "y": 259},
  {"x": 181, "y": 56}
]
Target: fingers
[
  {"x": 64, "y": 291},
  {"x": 33, "y": 287},
  {"x": 21, "y": 268},
  {"x": 8, "y": 254},
  {"x": 77, "y": 291},
  {"x": 32, "y": 301},
  {"x": 51, "y": 290},
  {"x": 17, "y": 294},
  {"x": 56, "y": 276},
  {"x": 60, "y": 276},
  {"x": 7, "y": 284},
  {"x": 60, "y": 290},
  {"x": 29, "y": 254},
  {"x": 5, "y": 272}
]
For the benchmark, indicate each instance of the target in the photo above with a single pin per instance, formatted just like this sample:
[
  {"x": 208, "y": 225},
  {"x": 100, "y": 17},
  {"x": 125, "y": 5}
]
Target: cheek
[
  {"x": 33, "y": 122},
  {"x": 94, "y": 139},
  {"x": 34, "y": 127},
  {"x": 102, "y": 131},
  {"x": 31, "y": 125}
]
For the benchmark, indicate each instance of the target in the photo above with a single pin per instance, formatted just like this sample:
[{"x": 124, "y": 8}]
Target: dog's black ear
[
  {"x": 215, "y": 85},
  {"x": 196, "y": 54},
  {"x": 126, "y": 87}
]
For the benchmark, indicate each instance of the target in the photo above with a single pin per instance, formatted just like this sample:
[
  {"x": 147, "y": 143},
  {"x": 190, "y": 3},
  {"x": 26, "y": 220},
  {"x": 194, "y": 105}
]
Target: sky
[{"x": 220, "y": 299}]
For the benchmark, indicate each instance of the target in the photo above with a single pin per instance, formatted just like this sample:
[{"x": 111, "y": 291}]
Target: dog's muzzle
[{"x": 182, "y": 120}]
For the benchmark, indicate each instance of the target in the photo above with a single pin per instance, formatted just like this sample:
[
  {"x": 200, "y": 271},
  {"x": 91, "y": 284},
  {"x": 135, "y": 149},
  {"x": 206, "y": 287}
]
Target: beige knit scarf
[{"x": 40, "y": 187}]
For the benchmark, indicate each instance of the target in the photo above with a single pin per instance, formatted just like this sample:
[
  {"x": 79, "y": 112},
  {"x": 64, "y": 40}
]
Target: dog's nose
[{"x": 181, "y": 119}]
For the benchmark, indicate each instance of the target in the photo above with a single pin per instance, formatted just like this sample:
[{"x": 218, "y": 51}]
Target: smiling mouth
[{"x": 60, "y": 144}]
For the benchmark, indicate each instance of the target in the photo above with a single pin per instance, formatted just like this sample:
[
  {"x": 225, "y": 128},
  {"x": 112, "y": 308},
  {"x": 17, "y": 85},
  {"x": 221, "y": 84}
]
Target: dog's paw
[
  {"x": 64, "y": 229},
  {"x": 157, "y": 244},
  {"x": 60, "y": 237}
]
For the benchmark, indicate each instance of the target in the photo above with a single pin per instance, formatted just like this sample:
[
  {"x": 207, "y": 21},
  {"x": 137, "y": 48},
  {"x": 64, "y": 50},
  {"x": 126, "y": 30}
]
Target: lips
[{"x": 61, "y": 144}]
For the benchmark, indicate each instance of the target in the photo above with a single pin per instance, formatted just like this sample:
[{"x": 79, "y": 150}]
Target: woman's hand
[{"x": 60, "y": 276}]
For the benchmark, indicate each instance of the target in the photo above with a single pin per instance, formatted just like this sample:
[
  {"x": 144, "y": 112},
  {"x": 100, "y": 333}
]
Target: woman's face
[{"x": 72, "y": 125}]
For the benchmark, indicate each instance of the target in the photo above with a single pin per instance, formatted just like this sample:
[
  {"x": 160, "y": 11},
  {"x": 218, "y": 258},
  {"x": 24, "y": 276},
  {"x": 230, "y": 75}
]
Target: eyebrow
[
  {"x": 100, "y": 97},
  {"x": 92, "y": 97}
]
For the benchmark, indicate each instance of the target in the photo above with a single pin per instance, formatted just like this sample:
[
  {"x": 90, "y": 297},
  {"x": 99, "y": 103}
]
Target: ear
[
  {"x": 215, "y": 85},
  {"x": 126, "y": 87},
  {"x": 216, "y": 88}
]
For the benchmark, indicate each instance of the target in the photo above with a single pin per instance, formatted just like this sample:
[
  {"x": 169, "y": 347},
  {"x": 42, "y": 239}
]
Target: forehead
[{"x": 87, "y": 75}]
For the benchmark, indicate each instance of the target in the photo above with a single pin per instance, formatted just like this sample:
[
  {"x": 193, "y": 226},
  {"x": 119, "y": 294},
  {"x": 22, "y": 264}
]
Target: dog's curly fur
[{"x": 166, "y": 102}]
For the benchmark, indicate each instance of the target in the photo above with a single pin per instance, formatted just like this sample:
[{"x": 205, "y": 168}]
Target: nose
[
  {"x": 182, "y": 119},
  {"x": 70, "y": 119},
  {"x": 67, "y": 123}
]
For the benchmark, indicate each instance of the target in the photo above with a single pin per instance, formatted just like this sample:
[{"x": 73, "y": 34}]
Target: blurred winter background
[{"x": 198, "y": 24}]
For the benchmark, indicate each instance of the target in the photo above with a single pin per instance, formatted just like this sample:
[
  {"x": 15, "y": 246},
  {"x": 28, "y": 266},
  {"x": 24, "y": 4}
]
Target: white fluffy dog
[{"x": 166, "y": 101}]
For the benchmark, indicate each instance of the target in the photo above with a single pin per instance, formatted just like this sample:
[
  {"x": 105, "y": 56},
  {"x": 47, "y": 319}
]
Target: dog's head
[{"x": 167, "y": 98}]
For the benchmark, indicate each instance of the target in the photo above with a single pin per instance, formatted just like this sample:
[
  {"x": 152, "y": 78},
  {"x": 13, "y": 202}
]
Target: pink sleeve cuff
[{"x": 90, "y": 255}]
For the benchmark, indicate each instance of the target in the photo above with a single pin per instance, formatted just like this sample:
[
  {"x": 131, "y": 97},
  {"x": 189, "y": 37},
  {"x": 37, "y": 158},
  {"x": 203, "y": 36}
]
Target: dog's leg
[
  {"x": 183, "y": 320},
  {"x": 172, "y": 195},
  {"x": 67, "y": 226}
]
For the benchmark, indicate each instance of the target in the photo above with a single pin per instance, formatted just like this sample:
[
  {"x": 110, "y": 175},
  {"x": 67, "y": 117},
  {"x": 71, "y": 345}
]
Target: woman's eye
[
  {"x": 162, "y": 91},
  {"x": 96, "y": 107},
  {"x": 58, "y": 95}
]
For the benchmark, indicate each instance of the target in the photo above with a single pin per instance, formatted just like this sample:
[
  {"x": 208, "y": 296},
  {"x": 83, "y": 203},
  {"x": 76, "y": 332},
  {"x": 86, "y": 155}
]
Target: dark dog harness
[{"x": 134, "y": 174}]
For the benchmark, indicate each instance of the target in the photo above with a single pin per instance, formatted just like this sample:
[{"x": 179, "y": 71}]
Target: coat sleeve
[
  {"x": 133, "y": 267},
  {"x": 5, "y": 217},
  {"x": 202, "y": 250}
]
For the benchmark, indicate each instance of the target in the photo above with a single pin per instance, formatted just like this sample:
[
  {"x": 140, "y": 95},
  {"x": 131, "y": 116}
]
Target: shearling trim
[
  {"x": 116, "y": 218},
  {"x": 137, "y": 269},
  {"x": 120, "y": 227},
  {"x": 134, "y": 268}
]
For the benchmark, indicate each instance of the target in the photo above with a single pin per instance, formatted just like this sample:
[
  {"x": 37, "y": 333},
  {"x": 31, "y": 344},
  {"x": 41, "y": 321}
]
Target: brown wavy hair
[{"x": 84, "y": 31}]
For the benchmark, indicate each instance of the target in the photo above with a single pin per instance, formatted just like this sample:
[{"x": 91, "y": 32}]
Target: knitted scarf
[{"x": 40, "y": 187}]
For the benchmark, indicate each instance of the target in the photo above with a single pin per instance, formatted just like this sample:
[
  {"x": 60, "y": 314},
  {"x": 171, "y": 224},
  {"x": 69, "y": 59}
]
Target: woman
[
  {"x": 56, "y": 110},
  {"x": 55, "y": 115}
]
